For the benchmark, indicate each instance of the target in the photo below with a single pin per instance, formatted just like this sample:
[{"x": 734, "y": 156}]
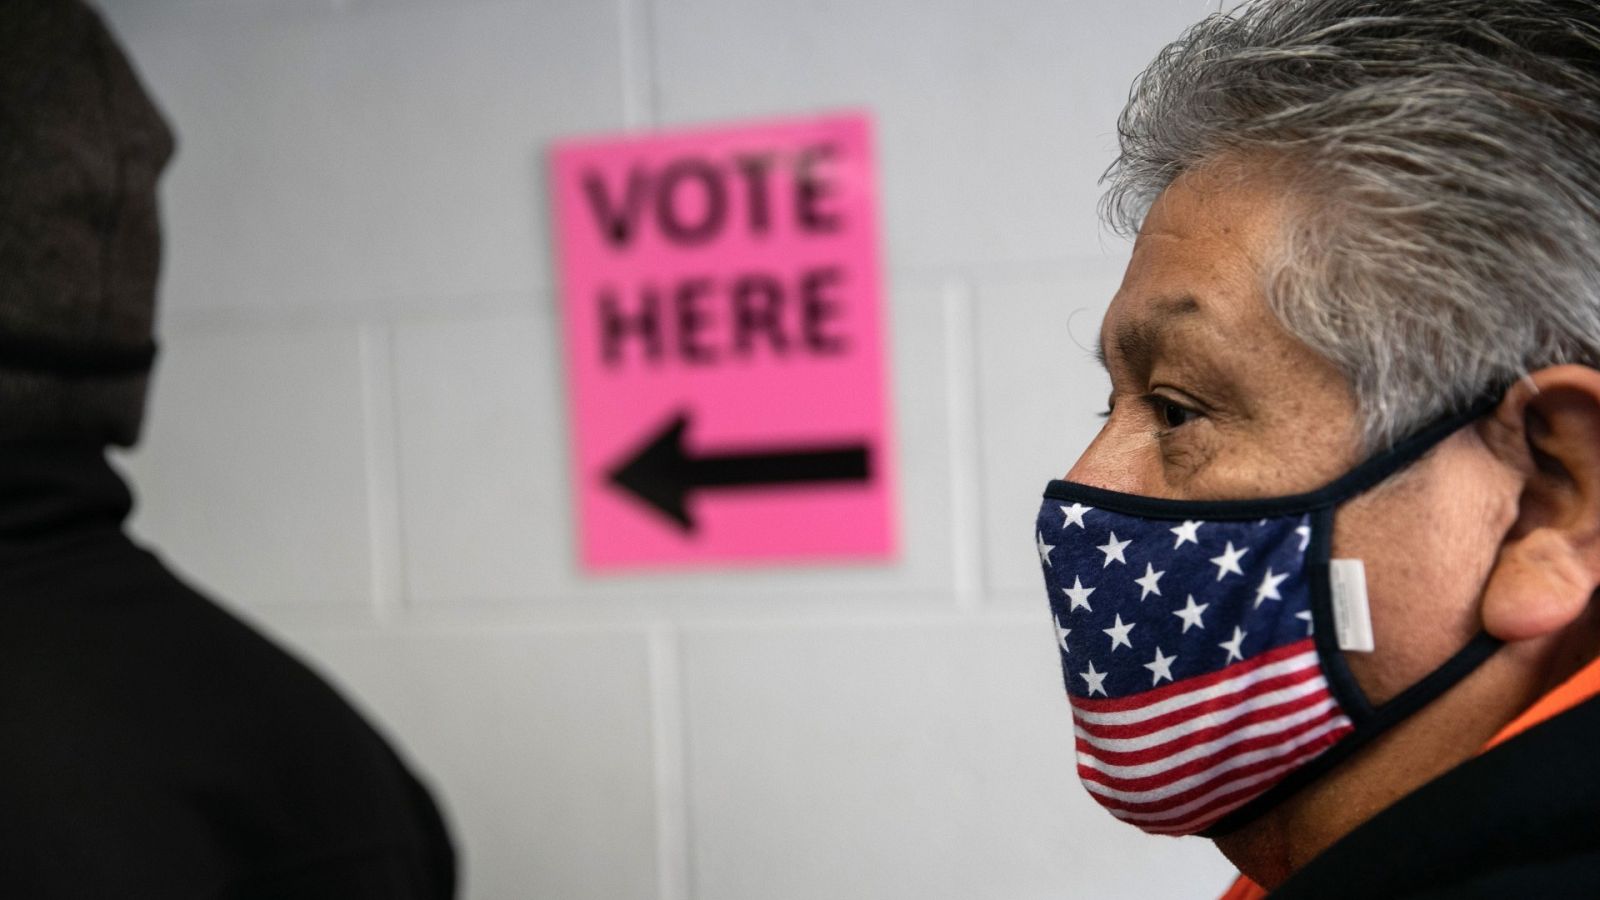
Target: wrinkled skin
[{"x": 1498, "y": 528}]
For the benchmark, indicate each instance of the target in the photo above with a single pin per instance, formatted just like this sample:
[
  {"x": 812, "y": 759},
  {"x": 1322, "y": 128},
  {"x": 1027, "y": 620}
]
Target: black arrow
[{"x": 661, "y": 474}]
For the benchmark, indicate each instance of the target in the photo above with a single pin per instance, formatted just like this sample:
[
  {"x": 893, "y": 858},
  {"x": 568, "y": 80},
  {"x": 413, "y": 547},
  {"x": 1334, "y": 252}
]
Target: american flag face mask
[{"x": 1203, "y": 644}]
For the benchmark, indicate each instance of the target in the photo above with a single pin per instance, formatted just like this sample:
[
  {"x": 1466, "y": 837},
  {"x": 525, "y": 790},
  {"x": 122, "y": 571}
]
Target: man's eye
[{"x": 1170, "y": 414}]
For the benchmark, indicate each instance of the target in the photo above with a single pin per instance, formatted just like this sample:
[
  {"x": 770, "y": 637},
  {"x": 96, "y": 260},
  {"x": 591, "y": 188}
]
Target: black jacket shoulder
[{"x": 156, "y": 746}]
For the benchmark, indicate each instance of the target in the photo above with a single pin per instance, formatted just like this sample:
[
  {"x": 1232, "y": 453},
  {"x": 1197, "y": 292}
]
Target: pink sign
[{"x": 724, "y": 344}]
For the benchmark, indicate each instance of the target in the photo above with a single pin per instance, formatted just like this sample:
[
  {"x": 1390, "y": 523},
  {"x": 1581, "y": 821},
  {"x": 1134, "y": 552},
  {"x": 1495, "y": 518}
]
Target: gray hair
[{"x": 1447, "y": 153}]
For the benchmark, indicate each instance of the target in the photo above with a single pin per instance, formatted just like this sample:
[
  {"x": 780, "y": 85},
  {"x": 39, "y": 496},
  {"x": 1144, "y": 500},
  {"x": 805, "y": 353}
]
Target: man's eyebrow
[{"x": 1136, "y": 342}]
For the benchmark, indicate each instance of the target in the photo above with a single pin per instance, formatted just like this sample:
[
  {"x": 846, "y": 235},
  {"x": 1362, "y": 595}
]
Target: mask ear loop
[
  {"x": 1362, "y": 711},
  {"x": 1369, "y": 721}
]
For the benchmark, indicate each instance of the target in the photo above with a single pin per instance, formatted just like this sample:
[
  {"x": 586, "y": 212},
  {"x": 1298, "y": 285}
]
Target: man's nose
[{"x": 1108, "y": 462}]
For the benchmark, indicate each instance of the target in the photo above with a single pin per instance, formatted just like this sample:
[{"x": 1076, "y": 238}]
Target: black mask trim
[
  {"x": 1368, "y": 473},
  {"x": 1469, "y": 657}
]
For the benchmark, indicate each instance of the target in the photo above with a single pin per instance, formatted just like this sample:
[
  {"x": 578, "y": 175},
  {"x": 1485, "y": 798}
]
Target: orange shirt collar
[{"x": 1575, "y": 690}]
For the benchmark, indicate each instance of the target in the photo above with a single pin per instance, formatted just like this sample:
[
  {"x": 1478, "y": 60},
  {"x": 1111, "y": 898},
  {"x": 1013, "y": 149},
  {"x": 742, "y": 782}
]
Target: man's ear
[{"x": 1547, "y": 429}]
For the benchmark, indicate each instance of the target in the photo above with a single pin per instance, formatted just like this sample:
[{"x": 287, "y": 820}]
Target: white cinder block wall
[{"x": 358, "y": 434}]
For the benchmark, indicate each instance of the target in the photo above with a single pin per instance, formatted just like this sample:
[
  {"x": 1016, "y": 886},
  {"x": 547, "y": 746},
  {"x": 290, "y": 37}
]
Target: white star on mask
[
  {"x": 1044, "y": 549},
  {"x": 1305, "y": 616},
  {"x": 1074, "y": 514},
  {"x": 1229, "y": 561},
  {"x": 1160, "y": 667},
  {"x": 1188, "y": 531},
  {"x": 1305, "y": 536},
  {"x": 1269, "y": 587},
  {"x": 1190, "y": 614},
  {"x": 1061, "y": 635},
  {"x": 1235, "y": 647},
  {"x": 1078, "y": 594},
  {"x": 1113, "y": 550},
  {"x": 1148, "y": 582},
  {"x": 1119, "y": 634},
  {"x": 1096, "y": 680}
]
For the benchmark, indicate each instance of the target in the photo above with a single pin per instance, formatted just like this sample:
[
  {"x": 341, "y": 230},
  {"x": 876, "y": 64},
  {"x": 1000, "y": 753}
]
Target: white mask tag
[{"x": 1352, "y": 618}]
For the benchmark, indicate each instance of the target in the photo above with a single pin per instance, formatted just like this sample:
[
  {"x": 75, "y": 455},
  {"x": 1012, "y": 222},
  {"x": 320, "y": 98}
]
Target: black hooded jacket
[{"x": 151, "y": 745}]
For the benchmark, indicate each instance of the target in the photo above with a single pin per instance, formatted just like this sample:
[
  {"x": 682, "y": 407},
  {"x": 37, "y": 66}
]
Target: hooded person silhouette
[{"x": 154, "y": 746}]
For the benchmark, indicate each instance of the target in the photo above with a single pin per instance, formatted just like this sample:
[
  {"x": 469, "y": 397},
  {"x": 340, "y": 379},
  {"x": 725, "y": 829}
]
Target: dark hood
[{"x": 81, "y": 149}]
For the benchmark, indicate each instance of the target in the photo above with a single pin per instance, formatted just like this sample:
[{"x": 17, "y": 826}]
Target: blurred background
[{"x": 358, "y": 436}]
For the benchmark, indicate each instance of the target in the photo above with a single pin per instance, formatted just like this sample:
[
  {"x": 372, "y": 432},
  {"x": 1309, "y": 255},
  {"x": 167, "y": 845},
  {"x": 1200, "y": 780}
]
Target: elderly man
[{"x": 1324, "y": 582}]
